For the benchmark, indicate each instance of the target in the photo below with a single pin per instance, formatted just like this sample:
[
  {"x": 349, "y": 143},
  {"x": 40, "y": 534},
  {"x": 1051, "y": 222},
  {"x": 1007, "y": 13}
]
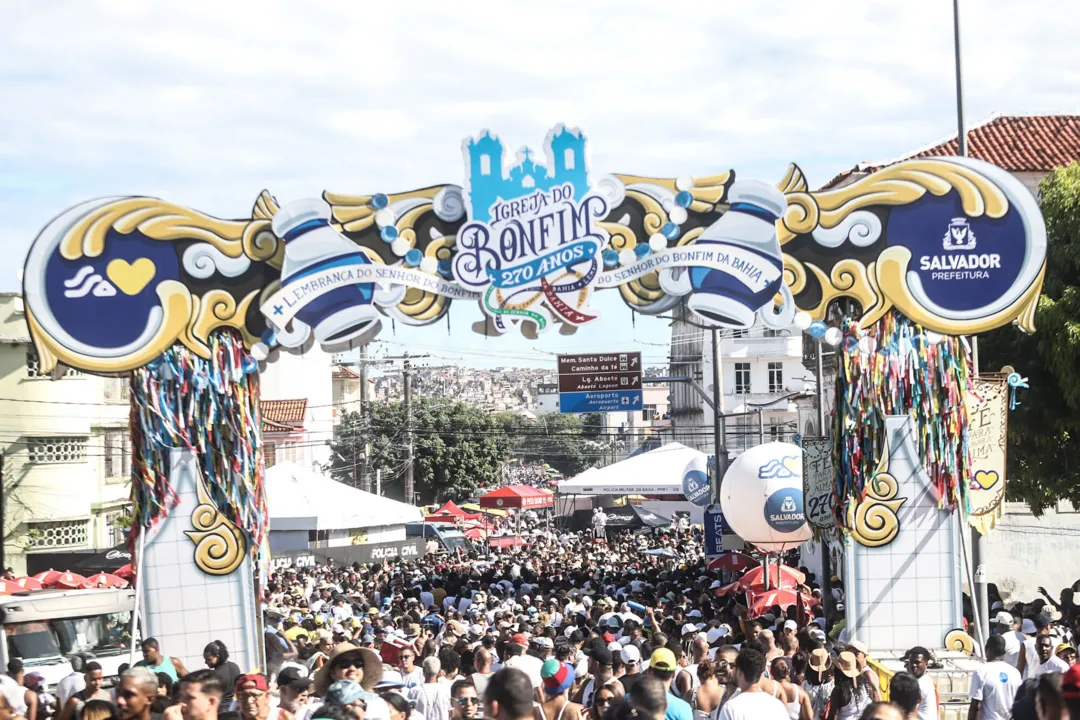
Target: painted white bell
[{"x": 762, "y": 497}]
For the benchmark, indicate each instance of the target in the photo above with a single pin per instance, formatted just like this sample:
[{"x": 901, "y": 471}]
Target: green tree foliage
[
  {"x": 568, "y": 443},
  {"x": 457, "y": 448},
  {"x": 1044, "y": 431}
]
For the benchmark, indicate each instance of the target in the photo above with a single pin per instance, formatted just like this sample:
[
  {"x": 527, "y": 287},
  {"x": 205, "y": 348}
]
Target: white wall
[
  {"x": 305, "y": 376},
  {"x": 76, "y": 491},
  {"x": 1024, "y": 551}
]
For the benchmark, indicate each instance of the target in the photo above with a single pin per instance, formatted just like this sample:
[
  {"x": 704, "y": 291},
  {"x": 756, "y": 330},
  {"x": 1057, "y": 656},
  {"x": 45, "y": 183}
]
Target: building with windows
[
  {"x": 761, "y": 376},
  {"x": 65, "y": 443},
  {"x": 298, "y": 408}
]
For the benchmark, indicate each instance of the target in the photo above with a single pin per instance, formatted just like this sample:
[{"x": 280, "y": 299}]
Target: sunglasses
[
  {"x": 350, "y": 663},
  {"x": 468, "y": 701},
  {"x": 602, "y": 702}
]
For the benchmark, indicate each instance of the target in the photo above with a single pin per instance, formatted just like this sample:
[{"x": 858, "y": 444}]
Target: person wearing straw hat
[
  {"x": 851, "y": 694},
  {"x": 558, "y": 678},
  {"x": 361, "y": 665},
  {"x": 819, "y": 681}
]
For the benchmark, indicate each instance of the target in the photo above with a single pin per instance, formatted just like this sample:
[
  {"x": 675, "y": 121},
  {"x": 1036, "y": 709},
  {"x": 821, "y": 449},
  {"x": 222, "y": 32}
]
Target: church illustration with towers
[{"x": 489, "y": 180}]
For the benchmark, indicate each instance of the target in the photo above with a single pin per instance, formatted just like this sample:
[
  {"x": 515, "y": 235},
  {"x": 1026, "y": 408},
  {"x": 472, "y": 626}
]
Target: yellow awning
[{"x": 473, "y": 507}]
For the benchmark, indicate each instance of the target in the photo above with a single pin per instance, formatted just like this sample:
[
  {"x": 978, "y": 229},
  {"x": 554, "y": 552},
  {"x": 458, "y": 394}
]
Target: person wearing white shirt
[
  {"x": 1013, "y": 640},
  {"x": 73, "y": 683},
  {"x": 994, "y": 684},
  {"x": 431, "y": 697},
  {"x": 752, "y": 703},
  {"x": 917, "y": 660},
  {"x": 1048, "y": 661}
]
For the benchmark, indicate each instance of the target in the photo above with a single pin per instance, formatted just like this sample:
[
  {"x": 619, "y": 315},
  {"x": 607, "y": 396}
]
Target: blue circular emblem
[
  {"x": 695, "y": 484},
  {"x": 1004, "y": 677},
  {"x": 784, "y": 510}
]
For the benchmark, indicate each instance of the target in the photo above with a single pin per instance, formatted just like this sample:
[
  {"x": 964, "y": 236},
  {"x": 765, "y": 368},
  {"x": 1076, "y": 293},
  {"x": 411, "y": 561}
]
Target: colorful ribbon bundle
[
  {"x": 892, "y": 368},
  {"x": 211, "y": 407}
]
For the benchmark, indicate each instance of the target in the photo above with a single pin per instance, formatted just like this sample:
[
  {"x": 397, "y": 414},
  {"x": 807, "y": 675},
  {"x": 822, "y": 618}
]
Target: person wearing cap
[
  {"x": 663, "y": 665},
  {"x": 1029, "y": 657},
  {"x": 557, "y": 678},
  {"x": 294, "y": 694},
  {"x": 521, "y": 660},
  {"x": 1014, "y": 640},
  {"x": 349, "y": 695},
  {"x": 993, "y": 684},
  {"x": 1065, "y": 651},
  {"x": 631, "y": 658},
  {"x": 601, "y": 675},
  {"x": 861, "y": 652},
  {"x": 253, "y": 696},
  {"x": 1070, "y": 690}
]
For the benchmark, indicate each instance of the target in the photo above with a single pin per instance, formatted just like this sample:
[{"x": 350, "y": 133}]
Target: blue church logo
[{"x": 489, "y": 181}]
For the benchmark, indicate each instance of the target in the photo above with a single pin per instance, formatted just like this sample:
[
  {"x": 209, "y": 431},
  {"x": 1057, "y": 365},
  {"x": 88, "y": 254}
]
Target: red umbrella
[
  {"x": 779, "y": 576},
  {"x": 125, "y": 571},
  {"x": 28, "y": 583},
  {"x": 731, "y": 588},
  {"x": 760, "y": 603},
  {"x": 7, "y": 587},
  {"x": 70, "y": 581},
  {"x": 506, "y": 541},
  {"x": 106, "y": 580},
  {"x": 733, "y": 561},
  {"x": 48, "y": 578}
]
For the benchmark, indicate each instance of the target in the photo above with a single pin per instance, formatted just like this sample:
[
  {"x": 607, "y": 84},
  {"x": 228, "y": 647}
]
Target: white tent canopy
[
  {"x": 656, "y": 472},
  {"x": 301, "y": 499}
]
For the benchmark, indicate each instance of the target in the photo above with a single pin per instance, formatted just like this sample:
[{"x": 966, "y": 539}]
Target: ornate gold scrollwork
[
  {"x": 959, "y": 641},
  {"x": 873, "y": 519},
  {"x": 355, "y": 214},
  {"x": 897, "y": 185},
  {"x": 220, "y": 546}
]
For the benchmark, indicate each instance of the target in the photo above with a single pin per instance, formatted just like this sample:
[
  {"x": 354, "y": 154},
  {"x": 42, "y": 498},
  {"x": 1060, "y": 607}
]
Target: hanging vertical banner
[
  {"x": 988, "y": 409},
  {"x": 818, "y": 484}
]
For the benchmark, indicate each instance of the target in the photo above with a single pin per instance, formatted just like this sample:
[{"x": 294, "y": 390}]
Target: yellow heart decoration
[
  {"x": 793, "y": 464},
  {"x": 986, "y": 478},
  {"x": 131, "y": 278}
]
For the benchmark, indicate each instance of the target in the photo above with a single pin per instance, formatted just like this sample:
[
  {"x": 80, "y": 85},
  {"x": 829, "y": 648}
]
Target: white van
[{"x": 44, "y": 628}]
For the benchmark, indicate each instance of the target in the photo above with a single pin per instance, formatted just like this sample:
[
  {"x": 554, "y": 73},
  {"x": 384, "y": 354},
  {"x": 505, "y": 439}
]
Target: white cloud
[{"x": 208, "y": 102}]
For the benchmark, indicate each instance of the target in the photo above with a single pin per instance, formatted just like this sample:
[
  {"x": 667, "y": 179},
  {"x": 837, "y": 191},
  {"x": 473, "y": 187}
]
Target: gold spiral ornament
[
  {"x": 220, "y": 546},
  {"x": 873, "y": 520},
  {"x": 959, "y": 641}
]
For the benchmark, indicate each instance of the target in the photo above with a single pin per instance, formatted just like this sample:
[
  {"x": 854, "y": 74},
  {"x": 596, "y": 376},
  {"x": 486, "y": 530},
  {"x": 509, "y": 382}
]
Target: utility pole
[
  {"x": 365, "y": 481},
  {"x": 406, "y": 381},
  {"x": 3, "y": 509},
  {"x": 719, "y": 446},
  {"x": 406, "y": 406},
  {"x": 979, "y": 554}
]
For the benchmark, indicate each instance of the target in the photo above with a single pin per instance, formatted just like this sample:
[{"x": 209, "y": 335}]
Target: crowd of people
[{"x": 573, "y": 626}]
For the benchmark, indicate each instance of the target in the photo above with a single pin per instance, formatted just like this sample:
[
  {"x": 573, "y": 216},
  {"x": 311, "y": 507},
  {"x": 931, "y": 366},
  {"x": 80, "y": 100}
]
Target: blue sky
[{"x": 206, "y": 104}]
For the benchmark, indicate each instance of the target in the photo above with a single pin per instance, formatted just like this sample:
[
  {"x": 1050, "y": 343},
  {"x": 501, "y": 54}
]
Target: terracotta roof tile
[
  {"x": 344, "y": 371},
  {"x": 283, "y": 415},
  {"x": 1017, "y": 143}
]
